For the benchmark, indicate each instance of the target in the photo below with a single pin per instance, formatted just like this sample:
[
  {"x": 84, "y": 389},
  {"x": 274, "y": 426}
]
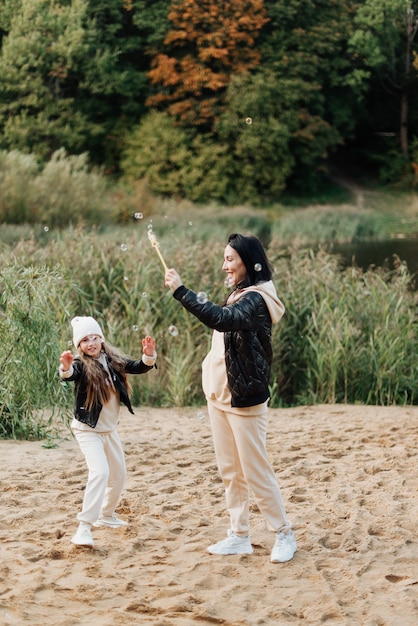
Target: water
[{"x": 379, "y": 253}]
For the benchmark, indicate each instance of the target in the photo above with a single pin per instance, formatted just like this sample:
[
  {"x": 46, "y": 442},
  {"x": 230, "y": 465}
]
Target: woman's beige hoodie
[{"x": 214, "y": 379}]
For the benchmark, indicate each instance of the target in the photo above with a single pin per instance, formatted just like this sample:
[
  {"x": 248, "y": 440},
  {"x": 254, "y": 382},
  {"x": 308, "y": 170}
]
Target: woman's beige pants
[{"x": 241, "y": 455}]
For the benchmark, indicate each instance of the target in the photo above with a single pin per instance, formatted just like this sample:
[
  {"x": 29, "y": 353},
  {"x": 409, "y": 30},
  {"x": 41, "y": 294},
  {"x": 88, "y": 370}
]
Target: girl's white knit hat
[{"x": 84, "y": 326}]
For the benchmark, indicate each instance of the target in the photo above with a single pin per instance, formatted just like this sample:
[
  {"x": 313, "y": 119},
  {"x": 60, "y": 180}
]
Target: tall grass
[
  {"x": 320, "y": 224},
  {"x": 347, "y": 336},
  {"x": 30, "y": 339}
]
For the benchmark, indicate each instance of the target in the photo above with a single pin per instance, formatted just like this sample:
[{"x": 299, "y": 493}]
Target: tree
[
  {"x": 299, "y": 95},
  {"x": 304, "y": 48},
  {"x": 151, "y": 19},
  {"x": 38, "y": 66},
  {"x": 72, "y": 75},
  {"x": 208, "y": 42},
  {"x": 113, "y": 76},
  {"x": 8, "y": 8},
  {"x": 383, "y": 44},
  {"x": 257, "y": 126},
  {"x": 175, "y": 161},
  {"x": 156, "y": 150}
]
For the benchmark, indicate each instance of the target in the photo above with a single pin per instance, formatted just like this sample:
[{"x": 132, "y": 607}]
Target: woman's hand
[
  {"x": 66, "y": 359},
  {"x": 148, "y": 346},
  {"x": 172, "y": 279}
]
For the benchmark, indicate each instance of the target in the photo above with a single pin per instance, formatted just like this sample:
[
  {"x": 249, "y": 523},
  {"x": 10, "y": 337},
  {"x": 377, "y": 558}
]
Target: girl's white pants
[
  {"x": 107, "y": 473},
  {"x": 241, "y": 455}
]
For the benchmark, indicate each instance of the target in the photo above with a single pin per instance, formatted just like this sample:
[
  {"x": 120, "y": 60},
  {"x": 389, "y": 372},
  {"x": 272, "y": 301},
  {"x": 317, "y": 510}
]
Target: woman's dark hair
[{"x": 254, "y": 258}]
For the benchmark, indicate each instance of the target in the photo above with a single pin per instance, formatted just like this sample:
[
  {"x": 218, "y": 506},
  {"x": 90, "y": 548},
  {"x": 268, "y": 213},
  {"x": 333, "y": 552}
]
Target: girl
[
  {"x": 99, "y": 372},
  {"x": 235, "y": 378}
]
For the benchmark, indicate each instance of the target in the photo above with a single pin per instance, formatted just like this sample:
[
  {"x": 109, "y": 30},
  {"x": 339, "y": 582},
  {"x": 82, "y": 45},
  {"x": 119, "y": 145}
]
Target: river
[{"x": 379, "y": 253}]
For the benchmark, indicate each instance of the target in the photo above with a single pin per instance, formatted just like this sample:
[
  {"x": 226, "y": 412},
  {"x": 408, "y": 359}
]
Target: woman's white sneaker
[
  {"x": 284, "y": 547},
  {"x": 233, "y": 544}
]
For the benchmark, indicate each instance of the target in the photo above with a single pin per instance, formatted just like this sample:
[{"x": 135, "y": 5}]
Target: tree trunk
[{"x": 404, "y": 123}]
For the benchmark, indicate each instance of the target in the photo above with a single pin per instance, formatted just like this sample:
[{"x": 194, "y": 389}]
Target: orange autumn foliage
[{"x": 208, "y": 43}]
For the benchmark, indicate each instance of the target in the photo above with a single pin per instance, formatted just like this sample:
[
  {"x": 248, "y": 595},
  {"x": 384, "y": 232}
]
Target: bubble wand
[{"x": 156, "y": 245}]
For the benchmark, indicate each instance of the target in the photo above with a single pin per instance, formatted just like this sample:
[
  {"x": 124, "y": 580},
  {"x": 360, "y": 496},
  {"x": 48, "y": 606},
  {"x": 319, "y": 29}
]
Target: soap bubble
[
  {"x": 125, "y": 278},
  {"x": 46, "y": 229},
  {"x": 144, "y": 294},
  {"x": 248, "y": 120},
  {"x": 201, "y": 297},
  {"x": 149, "y": 227},
  {"x": 69, "y": 343},
  {"x": 228, "y": 282},
  {"x": 190, "y": 223},
  {"x": 258, "y": 267},
  {"x": 201, "y": 415},
  {"x": 138, "y": 216},
  {"x": 123, "y": 247},
  {"x": 135, "y": 328},
  {"x": 173, "y": 330}
]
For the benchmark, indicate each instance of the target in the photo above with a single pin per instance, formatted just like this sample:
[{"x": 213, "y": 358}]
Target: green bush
[
  {"x": 57, "y": 193},
  {"x": 68, "y": 191},
  {"x": 17, "y": 173}
]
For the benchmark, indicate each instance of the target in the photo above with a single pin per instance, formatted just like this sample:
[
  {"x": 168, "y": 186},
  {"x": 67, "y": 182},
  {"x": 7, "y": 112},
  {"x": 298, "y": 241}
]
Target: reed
[{"x": 347, "y": 336}]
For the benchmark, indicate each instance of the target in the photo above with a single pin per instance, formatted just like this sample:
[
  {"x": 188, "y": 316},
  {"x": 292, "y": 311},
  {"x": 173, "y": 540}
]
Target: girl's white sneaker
[
  {"x": 113, "y": 521},
  {"x": 83, "y": 537},
  {"x": 233, "y": 544}
]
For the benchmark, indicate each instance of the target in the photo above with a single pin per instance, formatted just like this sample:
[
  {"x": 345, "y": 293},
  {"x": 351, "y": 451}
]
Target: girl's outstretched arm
[
  {"x": 66, "y": 360},
  {"x": 148, "y": 345}
]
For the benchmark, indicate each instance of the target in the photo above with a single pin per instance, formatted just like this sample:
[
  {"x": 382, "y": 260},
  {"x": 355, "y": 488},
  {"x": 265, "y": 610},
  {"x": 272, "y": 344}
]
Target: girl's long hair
[{"x": 99, "y": 385}]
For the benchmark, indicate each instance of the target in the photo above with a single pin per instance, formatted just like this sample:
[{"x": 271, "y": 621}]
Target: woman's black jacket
[{"x": 246, "y": 325}]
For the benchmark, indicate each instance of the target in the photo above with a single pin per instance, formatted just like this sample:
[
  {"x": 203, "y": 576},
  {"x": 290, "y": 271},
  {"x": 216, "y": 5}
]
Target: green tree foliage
[
  {"x": 114, "y": 84},
  {"x": 304, "y": 47},
  {"x": 175, "y": 161},
  {"x": 256, "y": 129},
  {"x": 71, "y": 76},
  {"x": 39, "y": 60},
  {"x": 382, "y": 44},
  {"x": 8, "y": 8},
  {"x": 151, "y": 19},
  {"x": 156, "y": 150}
]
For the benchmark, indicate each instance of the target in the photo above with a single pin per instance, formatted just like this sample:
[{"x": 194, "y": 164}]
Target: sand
[{"x": 349, "y": 480}]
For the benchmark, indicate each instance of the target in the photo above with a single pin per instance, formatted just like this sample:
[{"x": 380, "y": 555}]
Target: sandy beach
[{"x": 349, "y": 478}]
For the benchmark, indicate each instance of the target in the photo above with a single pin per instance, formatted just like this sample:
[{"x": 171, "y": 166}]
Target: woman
[{"x": 235, "y": 378}]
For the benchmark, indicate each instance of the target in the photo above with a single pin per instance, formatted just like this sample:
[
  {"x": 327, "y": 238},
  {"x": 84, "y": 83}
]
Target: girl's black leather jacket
[
  {"x": 80, "y": 390},
  {"x": 246, "y": 325}
]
